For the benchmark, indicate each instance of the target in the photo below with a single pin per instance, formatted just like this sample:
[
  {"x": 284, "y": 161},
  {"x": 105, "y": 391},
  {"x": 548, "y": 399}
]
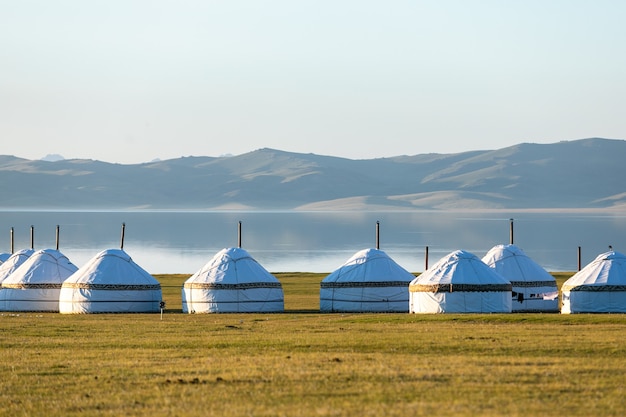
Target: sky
[{"x": 130, "y": 81}]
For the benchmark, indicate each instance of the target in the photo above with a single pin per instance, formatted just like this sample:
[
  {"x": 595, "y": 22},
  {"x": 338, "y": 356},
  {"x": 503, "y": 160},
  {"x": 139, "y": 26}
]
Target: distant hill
[
  {"x": 53, "y": 157},
  {"x": 586, "y": 173}
]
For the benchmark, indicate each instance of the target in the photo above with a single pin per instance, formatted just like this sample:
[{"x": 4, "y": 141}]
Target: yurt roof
[
  {"x": 112, "y": 266},
  {"x": 43, "y": 266},
  {"x": 4, "y": 256},
  {"x": 608, "y": 268},
  {"x": 511, "y": 262},
  {"x": 370, "y": 265},
  {"x": 14, "y": 262},
  {"x": 232, "y": 265},
  {"x": 460, "y": 267}
]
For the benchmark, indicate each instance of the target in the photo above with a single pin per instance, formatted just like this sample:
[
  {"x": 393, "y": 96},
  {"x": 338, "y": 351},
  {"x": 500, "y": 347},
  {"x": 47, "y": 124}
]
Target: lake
[{"x": 183, "y": 241}]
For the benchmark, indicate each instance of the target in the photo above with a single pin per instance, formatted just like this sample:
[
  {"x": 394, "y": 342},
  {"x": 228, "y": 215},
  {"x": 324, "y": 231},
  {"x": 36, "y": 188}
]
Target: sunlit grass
[{"x": 302, "y": 362}]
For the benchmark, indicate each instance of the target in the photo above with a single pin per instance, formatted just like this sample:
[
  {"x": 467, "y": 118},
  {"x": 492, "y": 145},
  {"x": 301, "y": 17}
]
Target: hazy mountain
[
  {"x": 584, "y": 173},
  {"x": 52, "y": 157}
]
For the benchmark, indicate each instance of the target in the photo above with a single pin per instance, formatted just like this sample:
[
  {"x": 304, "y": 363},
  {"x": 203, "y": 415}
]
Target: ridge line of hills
[{"x": 578, "y": 174}]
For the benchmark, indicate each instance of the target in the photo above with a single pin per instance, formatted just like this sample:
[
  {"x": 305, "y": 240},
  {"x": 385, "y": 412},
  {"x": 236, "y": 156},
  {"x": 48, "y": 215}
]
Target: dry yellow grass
[{"x": 305, "y": 363}]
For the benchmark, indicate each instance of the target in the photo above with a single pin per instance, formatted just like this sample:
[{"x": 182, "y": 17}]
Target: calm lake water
[{"x": 183, "y": 241}]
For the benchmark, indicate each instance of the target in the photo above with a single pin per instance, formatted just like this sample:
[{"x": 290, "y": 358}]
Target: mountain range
[{"x": 578, "y": 174}]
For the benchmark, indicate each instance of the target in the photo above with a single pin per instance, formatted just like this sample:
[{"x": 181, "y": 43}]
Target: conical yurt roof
[
  {"x": 35, "y": 285},
  {"x": 110, "y": 282},
  {"x": 607, "y": 269},
  {"x": 512, "y": 263},
  {"x": 460, "y": 268},
  {"x": 460, "y": 283},
  {"x": 370, "y": 281},
  {"x": 45, "y": 266},
  {"x": 114, "y": 267},
  {"x": 13, "y": 262},
  {"x": 369, "y": 265},
  {"x": 232, "y": 266},
  {"x": 232, "y": 282}
]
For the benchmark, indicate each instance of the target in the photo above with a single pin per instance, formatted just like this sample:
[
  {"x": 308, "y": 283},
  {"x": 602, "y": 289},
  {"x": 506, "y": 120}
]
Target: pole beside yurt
[
  {"x": 533, "y": 288},
  {"x": 122, "y": 236},
  {"x": 4, "y": 255},
  {"x": 232, "y": 282},
  {"x": 35, "y": 285},
  {"x": 110, "y": 282},
  {"x": 460, "y": 283},
  {"x": 599, "y": 287}
]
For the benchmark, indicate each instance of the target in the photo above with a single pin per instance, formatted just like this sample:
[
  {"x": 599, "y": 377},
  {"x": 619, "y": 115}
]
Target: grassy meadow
[{"x": 303, "y": 363}]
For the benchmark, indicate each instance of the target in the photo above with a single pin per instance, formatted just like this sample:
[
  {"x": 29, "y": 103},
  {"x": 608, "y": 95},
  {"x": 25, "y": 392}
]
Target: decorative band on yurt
[
  {"x": 111, "y": 287},
  {"x": 438, "y": 288},
  {"x": 365, "y": 301},
  {"x": 593, "y": 288},
  {"x": 221, "y": 302},
  {"x": 532, "y": 284},
  {"x": 27, "y": 286},
  {"x": 364, "y": 284},
  {"x": 216, "y": 286}
]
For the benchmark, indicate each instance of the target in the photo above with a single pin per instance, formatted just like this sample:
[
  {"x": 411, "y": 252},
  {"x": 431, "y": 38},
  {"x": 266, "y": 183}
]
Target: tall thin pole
[
  {"x": 239, "y": 235},
  {"x": 426, "y": 259},
  {"x": 377, "y": 235},
  {"x": 579, "y": 259},
  {"x": 12, "y": 241},
  {"x": 122, "y": 239},
  {"x": 511, "y": 232},
  {"x": 57, "y": 237},
  {"x": 32, "y": 237}
]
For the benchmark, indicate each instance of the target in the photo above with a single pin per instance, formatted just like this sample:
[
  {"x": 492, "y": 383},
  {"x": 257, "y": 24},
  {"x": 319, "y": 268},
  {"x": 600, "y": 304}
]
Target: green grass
[{"x": 305, "y": 363}]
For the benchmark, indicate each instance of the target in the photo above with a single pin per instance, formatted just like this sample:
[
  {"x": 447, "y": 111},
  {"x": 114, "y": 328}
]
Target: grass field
[{"x": 305, "y": 363}]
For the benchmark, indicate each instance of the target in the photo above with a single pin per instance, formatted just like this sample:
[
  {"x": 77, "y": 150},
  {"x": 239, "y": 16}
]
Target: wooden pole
[
  {"x": 239, "y": 235},
  {"x": 12, "y": 241},
  {"x": 511, "y": 232},
  {"x": 579, "y": 259},
  {"x": 32, "y": 237},
  {"x": 377, "y": 235},
  {"x": 426, "y": 259},
  {"x": 57, "y": 237},
  {"x": 122, "y": 238}
]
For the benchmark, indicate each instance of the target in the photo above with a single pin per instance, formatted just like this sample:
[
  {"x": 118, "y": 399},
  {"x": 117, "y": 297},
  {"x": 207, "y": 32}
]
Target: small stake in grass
[{"x": 162, "y": 306}]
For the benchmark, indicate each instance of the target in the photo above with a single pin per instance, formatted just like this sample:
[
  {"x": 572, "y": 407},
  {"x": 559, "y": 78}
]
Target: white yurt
[
  {"x": 370, "y": 281},
  {"x": 35, "y": 285},
  {"x": 600, "y": 287},
  {"x": 533, "y": 288},
  {"x": 232, "y": 282},
  {"x": 110, "y": 282},
  {"x": 460, "y": 283},
  {"x": 13, "y": 262}
]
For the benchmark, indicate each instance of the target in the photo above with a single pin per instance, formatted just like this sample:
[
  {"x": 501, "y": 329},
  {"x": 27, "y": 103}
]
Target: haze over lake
[{"x": 183, "y": 241}]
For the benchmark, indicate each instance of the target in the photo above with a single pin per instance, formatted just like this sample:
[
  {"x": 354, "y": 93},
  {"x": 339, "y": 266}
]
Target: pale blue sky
[{"x": 129, "y": 81}]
